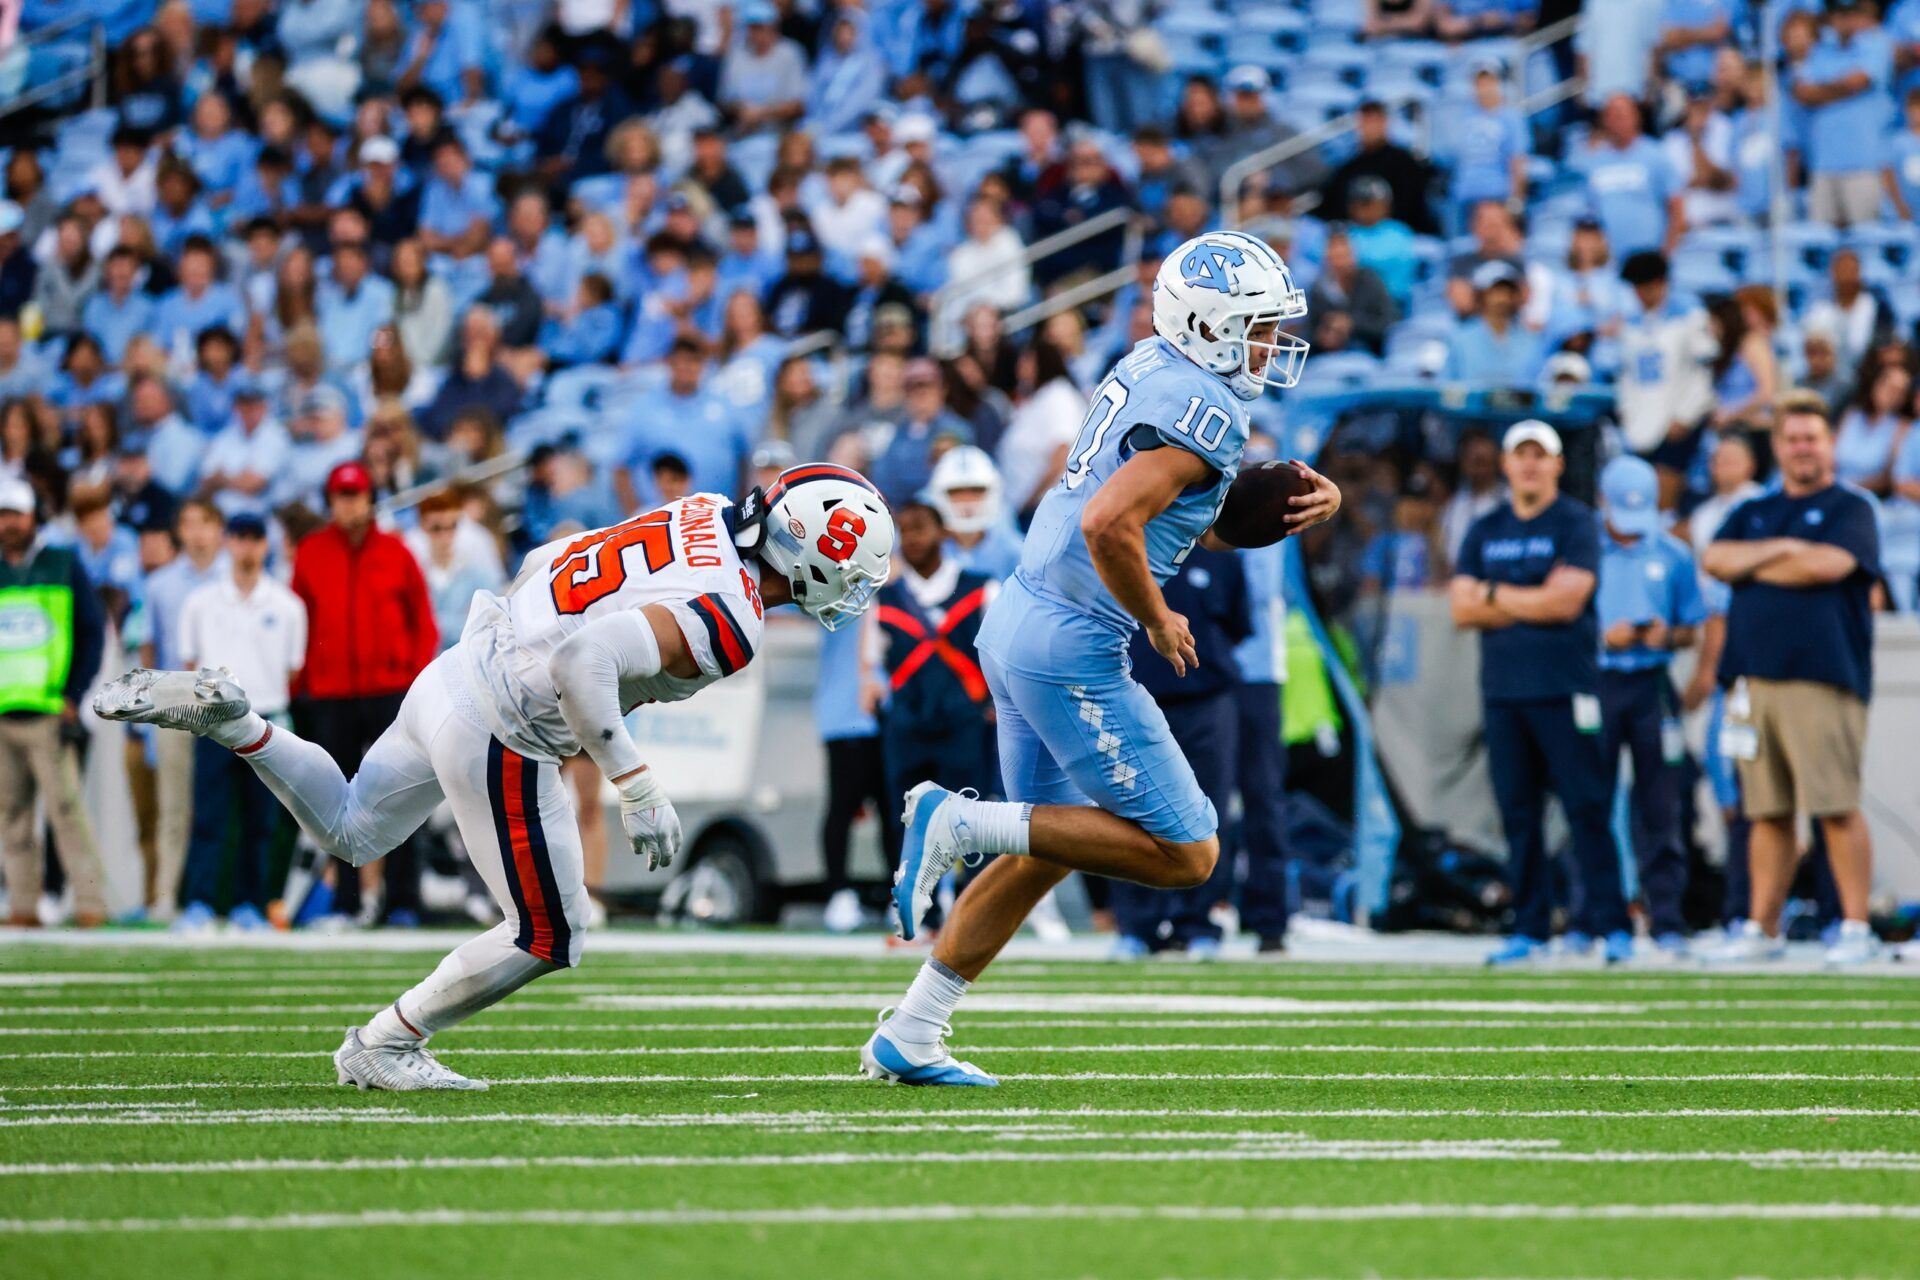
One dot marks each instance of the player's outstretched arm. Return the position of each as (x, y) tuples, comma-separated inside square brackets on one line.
[(587, 668), (1115, 524)]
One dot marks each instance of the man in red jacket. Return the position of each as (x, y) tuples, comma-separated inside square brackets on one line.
[(370, 632)]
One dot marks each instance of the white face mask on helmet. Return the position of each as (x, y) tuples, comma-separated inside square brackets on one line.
[(965, 467), (829, 534), (1213, 292)]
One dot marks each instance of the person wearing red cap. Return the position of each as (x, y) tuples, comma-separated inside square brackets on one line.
[(370, 632)]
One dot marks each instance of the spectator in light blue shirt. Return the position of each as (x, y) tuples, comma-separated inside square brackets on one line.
[(848, 77), (245, 458), (310, 29), (1690, 32), (1383, 244), (457, 205), (745, 267), (1630, 187), (1903, 163), (1489, 146), (920, 247), (321, 442), (173, 447), (119, 310), (1903, 28), (541, 250), (592, 334), (1493, 348), (201, 302), (448, 45), (178, 214), (350, 304), (220, 154), (686, 418), (532, 89), (1846, 85), (209, 395)]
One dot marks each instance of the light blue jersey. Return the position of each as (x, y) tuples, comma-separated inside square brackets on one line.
[(1073, 724), (1154, 398)]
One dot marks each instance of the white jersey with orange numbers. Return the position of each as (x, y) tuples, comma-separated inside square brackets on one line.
[(680, 556)]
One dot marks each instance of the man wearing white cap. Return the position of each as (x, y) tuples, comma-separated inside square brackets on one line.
[(1525, 580), (1650, 606), (51, 634)]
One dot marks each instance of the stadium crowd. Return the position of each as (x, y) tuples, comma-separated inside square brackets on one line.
[(321, 256)]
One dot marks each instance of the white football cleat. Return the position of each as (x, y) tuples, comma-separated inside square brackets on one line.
[(1750, 946), (401, 1068), (1855, 944), (937, 838), (902, 1062), (843, 914), (194, 701)]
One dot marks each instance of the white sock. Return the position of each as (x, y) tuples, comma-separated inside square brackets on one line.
[(474, 975), (998, 826), (1851, 929), (928, 1006), (242, 731)]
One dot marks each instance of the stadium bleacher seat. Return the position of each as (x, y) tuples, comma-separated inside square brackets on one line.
[(1810, 242)]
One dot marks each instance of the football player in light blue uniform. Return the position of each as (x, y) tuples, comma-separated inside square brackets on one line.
[(1095, 779)]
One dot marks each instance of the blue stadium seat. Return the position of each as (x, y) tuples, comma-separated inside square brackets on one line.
[(1284, 26), (1426, 59), (1702, 272), (1194, 23), (1740, 248), (1350, 64), (1895, 243), (1344, 18), (1810, 242)]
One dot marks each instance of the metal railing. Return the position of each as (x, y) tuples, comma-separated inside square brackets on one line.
[(1234, 180), (93, 71)]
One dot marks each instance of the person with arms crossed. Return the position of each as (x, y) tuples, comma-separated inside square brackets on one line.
[(1525, 581), (1145, 481), (1802, 562)]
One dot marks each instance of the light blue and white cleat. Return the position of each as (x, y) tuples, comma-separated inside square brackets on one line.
[(902, 1062), (937, 838)]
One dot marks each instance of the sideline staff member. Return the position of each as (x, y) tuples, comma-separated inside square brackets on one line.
[(51, 633), (1650, 607), (1525, 581), (1802, 562)]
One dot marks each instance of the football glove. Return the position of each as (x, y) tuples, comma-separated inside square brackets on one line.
[(652, 827)]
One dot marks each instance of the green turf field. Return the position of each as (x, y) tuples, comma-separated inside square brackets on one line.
[(170, 1114)]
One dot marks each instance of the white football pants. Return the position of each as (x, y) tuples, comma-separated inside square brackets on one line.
[(514, 814)]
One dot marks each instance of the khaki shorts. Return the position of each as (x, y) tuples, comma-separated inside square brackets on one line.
[(1812, 740), (1842, 199)]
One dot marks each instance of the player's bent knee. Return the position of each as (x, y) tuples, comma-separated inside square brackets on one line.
[(1190, 863)]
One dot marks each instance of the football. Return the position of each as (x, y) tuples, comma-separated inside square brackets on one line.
[(1254, 514)]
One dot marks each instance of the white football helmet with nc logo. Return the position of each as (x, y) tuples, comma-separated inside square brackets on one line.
[(1209, 296)]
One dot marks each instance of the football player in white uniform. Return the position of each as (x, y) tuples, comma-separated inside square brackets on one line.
[(650, 610)]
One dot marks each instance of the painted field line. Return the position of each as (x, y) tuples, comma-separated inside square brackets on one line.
[(835, 1215), (1289, 1152), (669, 1051), (1070, 1077), (1117, 1023), (1064, 1122)]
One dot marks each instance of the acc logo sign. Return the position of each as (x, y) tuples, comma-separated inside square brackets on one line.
[(1208, 267), (24, 628), (795, 528)]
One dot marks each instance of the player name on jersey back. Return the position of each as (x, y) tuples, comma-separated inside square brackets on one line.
[(679, 556)]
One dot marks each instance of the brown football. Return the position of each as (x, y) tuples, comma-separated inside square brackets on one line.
[(1254, 514)]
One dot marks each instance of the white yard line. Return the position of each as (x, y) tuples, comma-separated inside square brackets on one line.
[(1118, 1023), (848, 1078), (632, 1051), (835, 1215), (1862, 1161)]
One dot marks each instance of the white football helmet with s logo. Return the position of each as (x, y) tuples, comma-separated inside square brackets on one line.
[(829, 533), (1209, 296)]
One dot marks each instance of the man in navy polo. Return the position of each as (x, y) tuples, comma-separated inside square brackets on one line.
[(1802, 561), (1650, 606), (1525, 580)]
